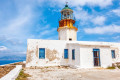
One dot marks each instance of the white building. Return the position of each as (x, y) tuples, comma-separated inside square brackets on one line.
[(67, 51)]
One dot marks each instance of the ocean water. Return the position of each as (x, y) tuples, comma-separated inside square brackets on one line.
[(3, 62)]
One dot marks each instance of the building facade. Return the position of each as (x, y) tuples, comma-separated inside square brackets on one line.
[(67, 51)]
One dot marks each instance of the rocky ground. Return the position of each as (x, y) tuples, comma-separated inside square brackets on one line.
[(66, 73), (5, 69)]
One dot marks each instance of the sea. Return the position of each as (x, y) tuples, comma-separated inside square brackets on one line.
[(3, 62)]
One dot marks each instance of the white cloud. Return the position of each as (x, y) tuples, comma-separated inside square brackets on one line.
[(116, 37), (3, 48), (101, 3), (116, 11), (99, 20), (103, 30), (47, 32), (82, 15)]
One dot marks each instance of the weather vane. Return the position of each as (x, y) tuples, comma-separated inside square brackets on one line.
[(66, 2)]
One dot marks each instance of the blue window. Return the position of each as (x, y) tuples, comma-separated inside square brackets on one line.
[(65, 53), (73, 54), (113, 53), (42, 53)]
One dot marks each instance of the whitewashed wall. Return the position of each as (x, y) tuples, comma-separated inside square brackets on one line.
[(87, 60), (66, 33), (54, 50), (116, 47), (74, 63)]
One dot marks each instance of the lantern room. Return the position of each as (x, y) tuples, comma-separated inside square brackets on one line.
[(66, 13)]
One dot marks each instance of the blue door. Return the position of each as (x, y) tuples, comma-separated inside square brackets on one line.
[(96, 56)]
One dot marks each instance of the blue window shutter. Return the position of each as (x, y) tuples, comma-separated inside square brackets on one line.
[(73, 54), (42, 53), (65, 53)]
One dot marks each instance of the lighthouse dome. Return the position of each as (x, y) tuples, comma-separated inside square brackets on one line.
[(66, 7)]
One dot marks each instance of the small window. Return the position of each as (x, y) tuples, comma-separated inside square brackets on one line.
[(65, 53), (73, 54), (113, 53), (41, 53), (70, 39)]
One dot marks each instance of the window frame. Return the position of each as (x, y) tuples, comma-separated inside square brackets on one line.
[(44, 53)]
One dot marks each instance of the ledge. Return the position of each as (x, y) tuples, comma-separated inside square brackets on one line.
[(12, 75)]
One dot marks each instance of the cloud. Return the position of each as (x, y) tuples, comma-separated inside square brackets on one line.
[(116, 11), (16, 25), (82, 15), (3, 48), (103, 30), (73, 3), (99, 20), (47, 32), (116, 37)]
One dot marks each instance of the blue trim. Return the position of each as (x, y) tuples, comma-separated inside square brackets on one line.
[(96, 49)]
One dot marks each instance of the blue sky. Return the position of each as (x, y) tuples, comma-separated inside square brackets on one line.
[(98, 20)]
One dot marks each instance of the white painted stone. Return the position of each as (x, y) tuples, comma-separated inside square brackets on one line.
[(12, 75)]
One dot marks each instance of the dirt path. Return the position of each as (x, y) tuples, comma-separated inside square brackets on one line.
[(66, 73)]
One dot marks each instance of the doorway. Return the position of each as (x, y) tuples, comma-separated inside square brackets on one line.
[(96, 57)]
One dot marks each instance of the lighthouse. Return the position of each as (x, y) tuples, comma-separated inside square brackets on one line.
[(67, 51), (67, 31)]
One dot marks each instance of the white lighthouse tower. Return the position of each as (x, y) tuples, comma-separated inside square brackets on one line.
[(66, 29)]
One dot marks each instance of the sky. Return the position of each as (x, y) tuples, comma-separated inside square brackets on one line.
[(97, 20)]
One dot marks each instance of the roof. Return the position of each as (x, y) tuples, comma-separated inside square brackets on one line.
[(66, 7)]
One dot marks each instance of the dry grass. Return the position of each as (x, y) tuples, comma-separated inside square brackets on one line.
[(119, 67), (110, 67), (5, 70), (19, 63), (22, 75)]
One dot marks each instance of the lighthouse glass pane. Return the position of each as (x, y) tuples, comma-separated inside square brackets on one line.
[(42, 53), (113, 53), (65, 53), (73, 54)]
